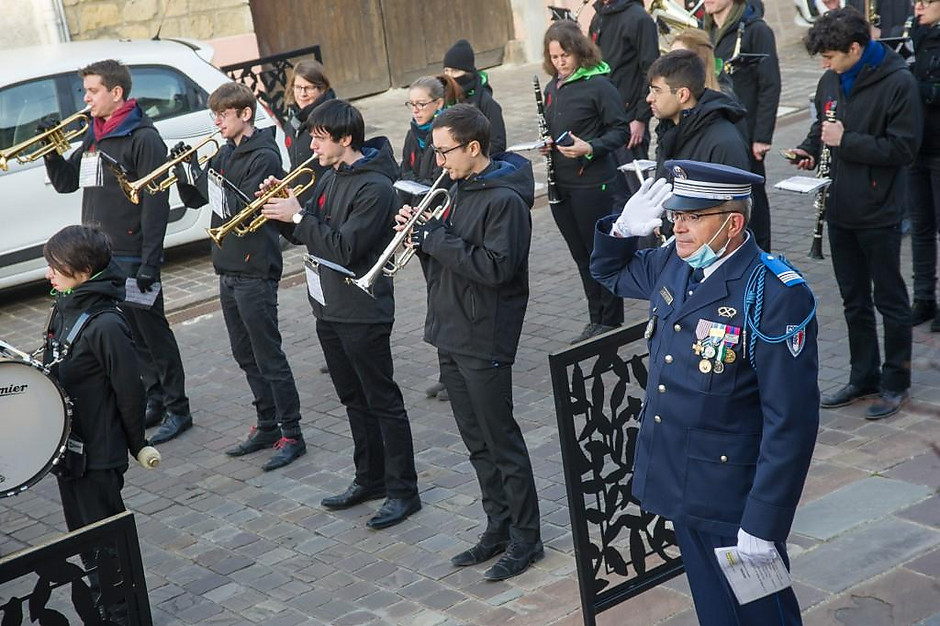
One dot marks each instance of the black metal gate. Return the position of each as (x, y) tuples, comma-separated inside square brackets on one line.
[(621, 550)]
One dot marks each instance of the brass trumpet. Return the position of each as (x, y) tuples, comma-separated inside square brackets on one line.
[(397, 253), (152, 183), (58, 139), (249, 219), (670, 18)]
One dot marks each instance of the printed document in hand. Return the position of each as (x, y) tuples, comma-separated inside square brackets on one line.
[(752, 580), (136, 297), (802, 184)]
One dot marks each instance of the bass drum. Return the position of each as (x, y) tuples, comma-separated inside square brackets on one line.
[(35, 416)]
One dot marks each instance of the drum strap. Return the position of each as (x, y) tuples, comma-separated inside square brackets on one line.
[(81, 322)]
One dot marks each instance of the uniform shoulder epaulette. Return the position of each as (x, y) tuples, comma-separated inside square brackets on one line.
[(781, 268)]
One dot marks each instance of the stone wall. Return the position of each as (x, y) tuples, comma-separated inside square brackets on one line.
[(139, 19)]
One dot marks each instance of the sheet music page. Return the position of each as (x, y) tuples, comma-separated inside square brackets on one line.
[(752, 580), (802, 184)]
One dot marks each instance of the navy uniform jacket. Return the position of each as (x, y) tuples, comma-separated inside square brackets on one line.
[(718, 451)]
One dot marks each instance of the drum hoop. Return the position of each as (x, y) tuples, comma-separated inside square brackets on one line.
[(60, 448)]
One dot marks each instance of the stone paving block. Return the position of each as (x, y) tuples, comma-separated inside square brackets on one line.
[(927, 512), (923, 469), (933, 620), (929, 564), (862, 553), (854, 504)]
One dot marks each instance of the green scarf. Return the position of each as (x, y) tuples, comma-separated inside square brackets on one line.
[(737, 12)]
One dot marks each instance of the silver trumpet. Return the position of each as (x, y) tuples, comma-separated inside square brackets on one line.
[(397, 253)]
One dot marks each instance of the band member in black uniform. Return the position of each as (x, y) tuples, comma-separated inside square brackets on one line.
[(583, 109), (308, 87), (476, 260), (629, 43), (249, 270), (123, 131), (348, 222), (876, 133), (460, 64), (924, 174), (100, 373), (735, 26)]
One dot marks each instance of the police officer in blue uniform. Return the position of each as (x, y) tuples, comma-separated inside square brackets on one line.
[(732, 409)]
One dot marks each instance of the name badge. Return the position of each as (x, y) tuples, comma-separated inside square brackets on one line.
[(89, 172), (217, 195)]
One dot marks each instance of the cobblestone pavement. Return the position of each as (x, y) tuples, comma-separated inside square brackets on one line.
[(224, 543)]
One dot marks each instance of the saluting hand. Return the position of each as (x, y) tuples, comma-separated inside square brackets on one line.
[(832, 133)]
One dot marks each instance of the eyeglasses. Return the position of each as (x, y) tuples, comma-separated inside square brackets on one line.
[(443, 153), (690, 218), (924, 3), (657, 91), (218, 116), (305, 88), (418, 105)]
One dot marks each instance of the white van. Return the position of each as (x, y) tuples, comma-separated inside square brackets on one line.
[(172, 80)]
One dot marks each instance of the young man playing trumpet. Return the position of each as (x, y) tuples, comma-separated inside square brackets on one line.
[(348, 221), (476, 260), (249, 269)]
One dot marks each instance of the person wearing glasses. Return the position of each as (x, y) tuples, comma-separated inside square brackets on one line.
[(876, 134), (121, 133), (249, 270), (307, 88), (728, 425), (476, 261), (588, 122), (348, 222)]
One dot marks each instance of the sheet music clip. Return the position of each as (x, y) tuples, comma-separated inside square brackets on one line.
[(560, 13), (745, 59)]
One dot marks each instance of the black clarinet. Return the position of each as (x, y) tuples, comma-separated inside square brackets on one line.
[(553, 197), (825, 157)]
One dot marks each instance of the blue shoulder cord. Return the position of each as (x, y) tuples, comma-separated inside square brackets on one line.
[(754, 297)]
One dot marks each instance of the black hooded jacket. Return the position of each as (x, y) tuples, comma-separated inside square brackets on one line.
[(927, 72), (479, 93), (629, 42), (135, 230), (258, 254), (100, 375), (297, 139), (348, 221), (756, 86), (477, 265), (706, 132), (883, 124)]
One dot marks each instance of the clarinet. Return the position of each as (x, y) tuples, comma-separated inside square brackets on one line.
[(553, 197), (825, 157)]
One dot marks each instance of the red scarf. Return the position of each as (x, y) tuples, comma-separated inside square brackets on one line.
[(102, 128)]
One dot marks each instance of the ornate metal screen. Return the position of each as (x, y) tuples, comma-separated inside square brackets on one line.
[(49, 584), (267, 77), (621, 550)]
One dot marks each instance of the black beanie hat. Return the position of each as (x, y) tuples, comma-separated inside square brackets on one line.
[(460, 57)]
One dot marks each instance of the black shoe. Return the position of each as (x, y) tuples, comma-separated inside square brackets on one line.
[(354, 494), (600, 329), (434, 390), (173, 426), (394, 511), (257, 440), (288, 451), (888, 403), (847, 395), (154, 414), (518, 558), (485, 549), (923, 310), (587, 333), (324, 369)]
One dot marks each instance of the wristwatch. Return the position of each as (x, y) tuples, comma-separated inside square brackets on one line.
[(296, 217)]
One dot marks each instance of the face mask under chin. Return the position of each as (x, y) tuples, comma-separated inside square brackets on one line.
[(705, 256)]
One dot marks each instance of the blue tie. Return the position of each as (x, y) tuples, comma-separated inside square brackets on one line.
[(695, 279)]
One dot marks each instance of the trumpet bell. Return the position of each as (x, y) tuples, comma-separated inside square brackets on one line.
[(57, 139)]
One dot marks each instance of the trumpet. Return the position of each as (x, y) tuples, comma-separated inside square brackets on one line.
[(58, 139), (397, 253), (249, 219), (152, 183)]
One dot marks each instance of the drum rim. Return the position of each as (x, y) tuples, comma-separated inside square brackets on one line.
[(7, 492)]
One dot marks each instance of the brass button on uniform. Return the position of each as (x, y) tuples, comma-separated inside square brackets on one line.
[(723, 459), (662, 388), (657, 419), (668, 358), (677, 327)]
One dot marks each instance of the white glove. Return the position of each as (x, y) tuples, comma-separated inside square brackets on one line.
[(642, 213), (149, 457), (754, 548)]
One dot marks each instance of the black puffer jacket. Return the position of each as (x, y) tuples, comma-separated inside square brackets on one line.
[(477, 266), (629, 42), (927, 72), (258, 254), (100, 374), (883, 124), (348, 221)]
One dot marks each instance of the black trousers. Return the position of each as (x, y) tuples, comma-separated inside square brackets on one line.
[(924, 195), (481, 398), (576, 216), (760, 206), (249, 306), (867, 263), (359, 357), (161, 367)]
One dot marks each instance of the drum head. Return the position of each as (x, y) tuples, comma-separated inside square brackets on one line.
[(34, 421)]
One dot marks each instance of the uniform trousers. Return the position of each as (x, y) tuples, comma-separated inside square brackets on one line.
[(249, 307), (760, 206), (576, 216), (359, 357), (867, 261), (161, 367), (481, 398), (924, 196), (715, 603)]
